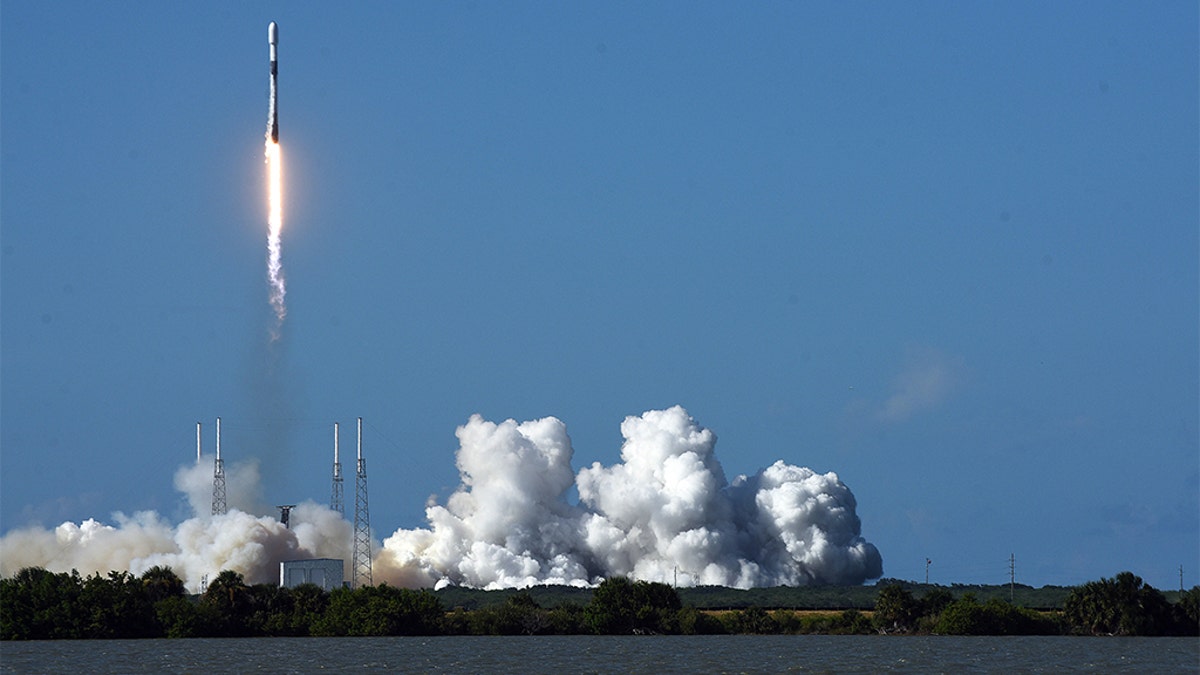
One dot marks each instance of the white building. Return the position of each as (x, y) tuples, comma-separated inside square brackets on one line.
[(327, 573)]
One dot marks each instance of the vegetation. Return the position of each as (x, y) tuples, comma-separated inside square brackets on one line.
[(37, 604), (779, 597), (1125, 605)]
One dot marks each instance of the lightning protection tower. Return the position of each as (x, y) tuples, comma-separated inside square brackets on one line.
[(362, 522), (335, 496), (218, 499)]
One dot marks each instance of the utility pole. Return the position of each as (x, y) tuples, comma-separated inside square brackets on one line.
[(927, 562), (1012, 575)]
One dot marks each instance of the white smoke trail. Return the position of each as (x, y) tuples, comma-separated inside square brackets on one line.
[(665, 513), (278, 290)]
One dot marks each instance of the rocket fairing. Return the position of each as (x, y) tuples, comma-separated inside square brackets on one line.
[(273, 109)]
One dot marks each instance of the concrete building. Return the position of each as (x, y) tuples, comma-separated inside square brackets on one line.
[(327, 573)]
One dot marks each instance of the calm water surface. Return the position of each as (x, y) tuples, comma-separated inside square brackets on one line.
[(603, 654)]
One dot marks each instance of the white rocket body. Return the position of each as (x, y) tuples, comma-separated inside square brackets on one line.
[(273, 109)]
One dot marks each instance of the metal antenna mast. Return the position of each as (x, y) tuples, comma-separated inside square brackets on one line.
[(362, 522), (218, 500), (1012, 574), (335, 496)]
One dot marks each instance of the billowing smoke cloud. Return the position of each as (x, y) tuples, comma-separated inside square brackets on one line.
[(197, 548), (665, 512)]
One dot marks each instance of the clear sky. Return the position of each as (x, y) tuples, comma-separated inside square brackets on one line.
[(946, 250)]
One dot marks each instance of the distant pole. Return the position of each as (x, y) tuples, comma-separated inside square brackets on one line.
[(927, 562), (1012, 574)]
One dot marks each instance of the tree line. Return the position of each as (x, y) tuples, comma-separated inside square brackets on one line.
[(38, 604)]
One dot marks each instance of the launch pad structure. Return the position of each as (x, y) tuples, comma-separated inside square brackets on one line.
[(218, 495), (360, 565), (336, 502)]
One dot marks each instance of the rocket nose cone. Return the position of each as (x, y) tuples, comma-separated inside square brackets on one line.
[(273, 33)]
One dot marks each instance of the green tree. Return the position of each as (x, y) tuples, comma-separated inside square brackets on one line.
[(566, 619), (1188, 611), (520, 614), (750, 621), (36, 604), (966, 616), (935, 600), (622, 606), (896, 609), (852, 622), (1123, 605), (182, 617), (695, 622), (116, 606), (161, 583), (309, 602), (232, 602), (380, 610)]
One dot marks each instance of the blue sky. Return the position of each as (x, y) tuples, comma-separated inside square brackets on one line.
[(947, 250)]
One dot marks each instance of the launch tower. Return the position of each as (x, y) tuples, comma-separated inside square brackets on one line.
[(218, 498), (361, 567), (335, 495)]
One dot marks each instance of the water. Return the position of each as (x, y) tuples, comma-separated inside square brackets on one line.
[(605, 654)]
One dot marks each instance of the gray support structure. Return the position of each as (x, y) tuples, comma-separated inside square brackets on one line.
[(218, 498), (336, 501), (361, 567)]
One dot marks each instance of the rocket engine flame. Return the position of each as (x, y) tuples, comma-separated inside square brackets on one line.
[(274, 192), (278, 288)]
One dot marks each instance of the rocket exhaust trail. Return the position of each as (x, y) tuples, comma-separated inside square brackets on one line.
[(278, 290)]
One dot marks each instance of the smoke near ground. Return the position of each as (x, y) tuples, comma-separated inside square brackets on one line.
[(196, 549), (665, 512)]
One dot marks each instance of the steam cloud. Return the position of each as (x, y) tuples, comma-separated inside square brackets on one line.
[(664, 513), (198, 547)]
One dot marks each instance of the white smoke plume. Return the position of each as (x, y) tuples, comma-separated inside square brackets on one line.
[(196, 549), (665, 513)]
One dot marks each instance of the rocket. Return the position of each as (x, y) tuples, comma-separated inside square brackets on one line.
[(273, 109)]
